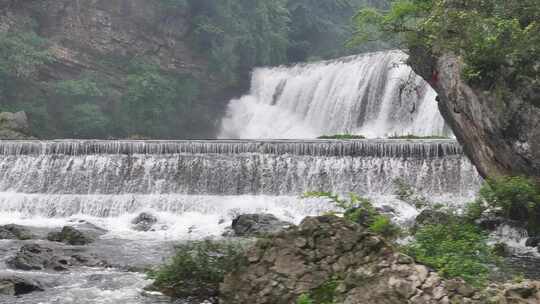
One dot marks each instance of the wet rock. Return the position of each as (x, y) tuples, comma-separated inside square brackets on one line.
[(303, 259), (144, 222), (71, 236), (15, 286), (41, 257), (89, 229), (247, 225), (532, 242), (15, 232), (491, 223), (36, 257)]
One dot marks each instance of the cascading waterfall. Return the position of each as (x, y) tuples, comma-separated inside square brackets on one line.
[(375, 95), (117, 178)]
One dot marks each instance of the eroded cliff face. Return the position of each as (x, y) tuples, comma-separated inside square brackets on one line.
[(83, 33), (500, 132), (102, 36)]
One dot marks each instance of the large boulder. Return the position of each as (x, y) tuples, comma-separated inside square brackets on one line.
[(41, 257), (15, 286), (71, 236), (144, 222), (532, 242), (15, 232), (36, 257), (248, 225), (342, 258), (14, 126)]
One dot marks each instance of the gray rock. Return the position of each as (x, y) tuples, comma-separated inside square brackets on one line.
[(532, 242), (37, 257), (15, 286), (247, 225), (71, 236), (41, 257), (14, 126), (15, 232), (364, 267), (144, 222)]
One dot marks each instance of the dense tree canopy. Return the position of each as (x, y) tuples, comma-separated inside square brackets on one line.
[(499, 40)]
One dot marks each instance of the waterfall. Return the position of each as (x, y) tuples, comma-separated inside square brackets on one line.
[(375, 95), (232, 167)]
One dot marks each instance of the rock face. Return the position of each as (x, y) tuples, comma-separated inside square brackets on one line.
[(501, 135), (14, 126), (100, 37), (15, 286), (248, 225), (329, 251), (40, 257), (15, 232)]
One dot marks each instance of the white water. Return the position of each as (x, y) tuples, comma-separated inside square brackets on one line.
[(375, 95), (197, 188)]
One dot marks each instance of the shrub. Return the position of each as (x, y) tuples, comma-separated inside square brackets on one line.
[(360, 210), (324, 294), (197, 269), (383, 226), (304, 299), (342, 136), (457, 249), (516, 198)]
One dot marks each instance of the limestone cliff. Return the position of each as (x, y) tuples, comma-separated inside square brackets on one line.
[(336, 261), (500, 132), (102, 36)]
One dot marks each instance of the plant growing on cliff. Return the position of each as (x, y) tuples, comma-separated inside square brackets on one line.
[(22, 54), (360, 210), (454, 249), (197, 269), (497, 39)]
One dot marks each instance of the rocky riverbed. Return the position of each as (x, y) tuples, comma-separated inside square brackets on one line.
[(96, 269)]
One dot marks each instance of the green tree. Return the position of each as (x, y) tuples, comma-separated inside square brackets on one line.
[(156, 102), (498, 40)]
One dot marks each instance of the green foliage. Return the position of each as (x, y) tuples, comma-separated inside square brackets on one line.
[(304, 299), (342, 136), (497, 39), (197, 269), (382, 225), (324, 294), (360, 210), (457, 249), (516, 198), (239, 34), (474, 210), (21, 54), (155, 101)]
